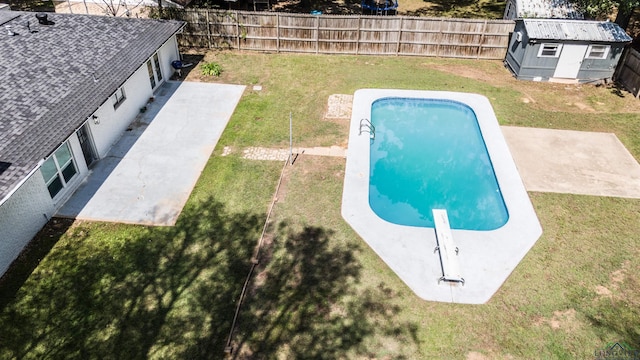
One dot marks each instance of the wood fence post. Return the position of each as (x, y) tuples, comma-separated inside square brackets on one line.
[(208, 29), (358, 38), (484, 30), (317, 32), (237, 30), (439, 37), (399, 36)]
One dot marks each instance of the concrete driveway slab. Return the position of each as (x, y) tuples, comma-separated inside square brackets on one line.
[(574, 162), (148, 175)]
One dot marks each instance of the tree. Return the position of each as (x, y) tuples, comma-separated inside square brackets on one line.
[(601, 9), (625, 10), (596, 9)]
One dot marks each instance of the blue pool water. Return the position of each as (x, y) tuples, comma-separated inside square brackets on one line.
[(429, 154)]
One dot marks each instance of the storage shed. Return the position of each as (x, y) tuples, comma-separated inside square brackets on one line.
[(565, 50)]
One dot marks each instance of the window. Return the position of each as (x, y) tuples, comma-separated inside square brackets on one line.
[(154, 70), (58, 169), (549, 50), (152, 77), (156, 64), (118, 98), (598, 51)]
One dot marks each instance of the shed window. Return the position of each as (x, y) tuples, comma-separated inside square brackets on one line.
[(118, 98), (549, 50), (598, 51)]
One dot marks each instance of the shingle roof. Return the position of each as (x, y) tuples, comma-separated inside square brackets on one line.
[(55, 76), (579, 30)]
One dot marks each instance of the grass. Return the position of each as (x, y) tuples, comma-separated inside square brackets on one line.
[(114, 291)]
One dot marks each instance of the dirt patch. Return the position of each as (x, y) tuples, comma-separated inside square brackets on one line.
[(616, 278), (101, 8), (565, 320), (603, 291), (585, 107), (474, 355)]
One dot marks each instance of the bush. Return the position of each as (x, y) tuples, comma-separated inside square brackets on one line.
[(211, 69)]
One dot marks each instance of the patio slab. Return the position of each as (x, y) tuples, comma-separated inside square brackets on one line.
[(148, 175), (574, 162)]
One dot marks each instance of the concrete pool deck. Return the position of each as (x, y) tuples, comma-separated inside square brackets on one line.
[(486, 258), (149, 173)]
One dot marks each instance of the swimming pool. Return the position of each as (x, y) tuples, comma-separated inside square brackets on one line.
[(430, 154), (487, 256)]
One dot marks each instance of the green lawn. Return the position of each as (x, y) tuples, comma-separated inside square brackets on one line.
[(96, 290)]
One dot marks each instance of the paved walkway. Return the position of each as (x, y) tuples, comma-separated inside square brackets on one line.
[(260, 153), (149, 174)]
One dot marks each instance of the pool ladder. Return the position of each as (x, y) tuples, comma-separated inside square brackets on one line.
[(367, 126)]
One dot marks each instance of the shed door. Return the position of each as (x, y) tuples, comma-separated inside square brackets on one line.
[(570, 60)]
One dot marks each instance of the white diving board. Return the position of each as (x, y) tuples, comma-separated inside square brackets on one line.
[(447, 249)]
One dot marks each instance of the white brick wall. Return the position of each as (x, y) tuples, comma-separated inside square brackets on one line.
[(21, 217), (137, 91)]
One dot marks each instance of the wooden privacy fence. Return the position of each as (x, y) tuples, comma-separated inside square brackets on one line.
[(345, 34), (629, 71)]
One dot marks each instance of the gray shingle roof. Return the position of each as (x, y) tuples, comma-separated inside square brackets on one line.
[(55, 76), (579, 30)]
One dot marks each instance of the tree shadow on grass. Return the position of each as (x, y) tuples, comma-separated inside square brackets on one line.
[(152, 292), (618, 314), (131, 292), (307, 303), (29, 258)]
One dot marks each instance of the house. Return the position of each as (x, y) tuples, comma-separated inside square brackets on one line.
[(565, 50), (541, 9), (70, 86)]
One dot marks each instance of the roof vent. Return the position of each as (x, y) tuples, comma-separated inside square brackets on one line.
[(42, 19)]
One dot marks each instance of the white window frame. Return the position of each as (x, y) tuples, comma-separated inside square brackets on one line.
[(60, 169), (604, 55), (154, 70), (544, 46), (118, 97)]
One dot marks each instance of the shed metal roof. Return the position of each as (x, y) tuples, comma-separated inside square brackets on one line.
[(578, 30), (57, 75)]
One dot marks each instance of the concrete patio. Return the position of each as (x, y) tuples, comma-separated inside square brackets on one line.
[(150, 172), (573, 162)]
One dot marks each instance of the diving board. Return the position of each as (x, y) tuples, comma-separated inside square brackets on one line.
[(446, 248)]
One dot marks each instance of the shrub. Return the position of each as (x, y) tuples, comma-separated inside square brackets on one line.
[(211, 69)]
